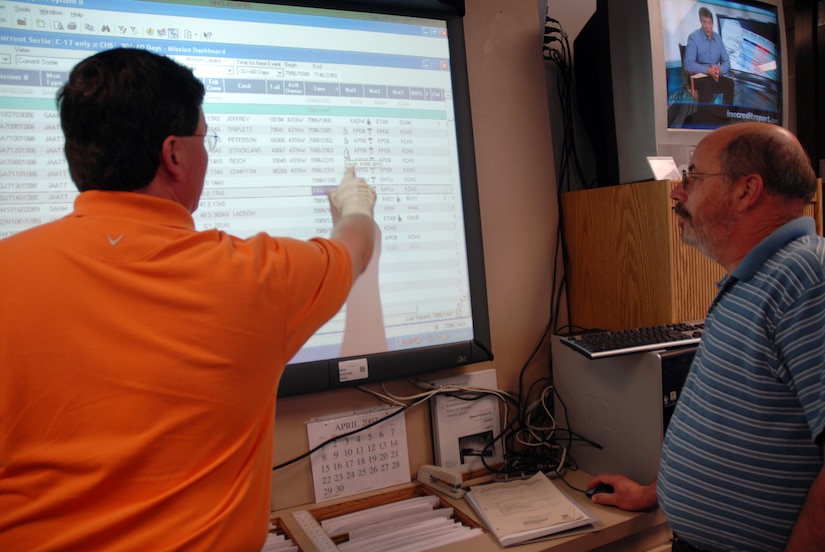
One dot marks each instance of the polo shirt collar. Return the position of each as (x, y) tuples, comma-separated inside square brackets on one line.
[(129, 205), (764, 250)]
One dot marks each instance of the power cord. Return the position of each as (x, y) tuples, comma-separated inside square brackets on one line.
[(405, 403), (528, 438)]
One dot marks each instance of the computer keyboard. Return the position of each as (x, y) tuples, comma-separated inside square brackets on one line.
[(604, 343)]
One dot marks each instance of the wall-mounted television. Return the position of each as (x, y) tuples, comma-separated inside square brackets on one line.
[(635, 92), (296, 91)]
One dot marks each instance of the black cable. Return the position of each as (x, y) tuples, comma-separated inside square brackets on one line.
[(463, 395), (347, 434), (556, 49)]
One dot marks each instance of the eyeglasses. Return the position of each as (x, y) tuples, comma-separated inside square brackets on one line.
[(689, 178), (210, 140)]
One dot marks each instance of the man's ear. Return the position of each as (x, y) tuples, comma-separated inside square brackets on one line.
[(748, 190), (169, 157)]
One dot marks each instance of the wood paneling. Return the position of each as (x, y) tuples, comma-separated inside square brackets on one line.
[(627, 264)]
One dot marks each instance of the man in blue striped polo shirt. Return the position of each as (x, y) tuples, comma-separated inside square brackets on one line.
[(742, 461)]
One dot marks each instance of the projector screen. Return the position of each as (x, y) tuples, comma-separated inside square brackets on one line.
[(295, 94)]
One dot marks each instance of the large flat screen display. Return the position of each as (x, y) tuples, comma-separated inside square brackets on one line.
[(750, 34), (295, 94)]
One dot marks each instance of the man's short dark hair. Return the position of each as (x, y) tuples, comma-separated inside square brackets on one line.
[(116, 110), (704, 12)]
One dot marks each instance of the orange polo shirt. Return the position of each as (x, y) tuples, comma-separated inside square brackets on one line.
[(139, 365)]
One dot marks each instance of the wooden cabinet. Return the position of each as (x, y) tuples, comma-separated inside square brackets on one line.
[(627, 264)]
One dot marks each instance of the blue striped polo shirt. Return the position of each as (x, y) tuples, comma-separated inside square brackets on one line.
[(742, 448)]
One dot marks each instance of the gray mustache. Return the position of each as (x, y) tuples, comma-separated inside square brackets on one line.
[(679, 210)]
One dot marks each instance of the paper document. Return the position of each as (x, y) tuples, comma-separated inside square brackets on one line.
[(465, 431), (525, 510), (664, 168)]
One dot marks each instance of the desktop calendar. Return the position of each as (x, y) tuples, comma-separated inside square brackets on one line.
[(373, 458)]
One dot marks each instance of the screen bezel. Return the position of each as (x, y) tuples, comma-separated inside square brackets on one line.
[(314, 376)]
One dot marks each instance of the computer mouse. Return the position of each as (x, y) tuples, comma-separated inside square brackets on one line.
[(600, 488)]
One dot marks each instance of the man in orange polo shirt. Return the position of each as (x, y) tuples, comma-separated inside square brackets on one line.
[(139, 358)]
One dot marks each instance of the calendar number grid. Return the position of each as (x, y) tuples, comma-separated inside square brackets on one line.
[(371, 459)]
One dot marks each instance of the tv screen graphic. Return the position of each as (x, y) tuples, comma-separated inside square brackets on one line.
[(750, 87), (295, 94)]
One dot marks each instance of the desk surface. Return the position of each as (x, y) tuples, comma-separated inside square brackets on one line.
[(619, 530)]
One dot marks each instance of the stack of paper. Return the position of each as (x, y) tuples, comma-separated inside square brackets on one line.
[(411, 525), (526, 510)]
